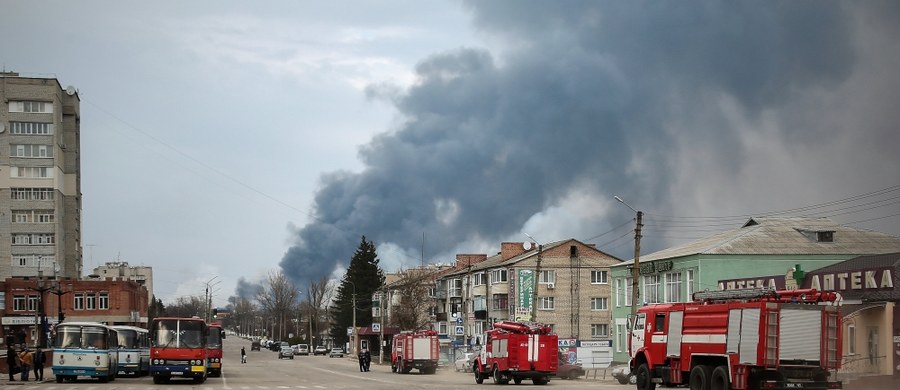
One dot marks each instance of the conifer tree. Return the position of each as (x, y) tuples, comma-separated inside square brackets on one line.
[(362, 279)]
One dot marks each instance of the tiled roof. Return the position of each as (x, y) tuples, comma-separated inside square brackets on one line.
[(784, 236)]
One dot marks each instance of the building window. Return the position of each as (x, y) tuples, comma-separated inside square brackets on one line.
[(432, 292), (30, 128), (32, 303), (629, 289), (500, 301), (599, 277), (31, 193), (104, 301), (79, 301), (2, 299), (33, 238), (31, 107), (599, 330), (547, 276), (31, 172), (498, 276), (91, 300), (479, 279), (456, 288), (691, 287), (651, 289), (19, 303), (620, 337), (851, 339), (30, 151), (599, 303), (479, 302), (546, 303), (442, 328), (32, 216), (673, 287)]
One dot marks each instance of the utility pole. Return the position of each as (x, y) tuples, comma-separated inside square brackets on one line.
[(636, 267), (40, 322)]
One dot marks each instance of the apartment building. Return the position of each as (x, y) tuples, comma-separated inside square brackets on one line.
[(122, 270), (40, 178)]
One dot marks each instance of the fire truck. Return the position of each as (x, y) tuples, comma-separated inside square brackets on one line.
[(517, 351), (419, 350), (756, 338)]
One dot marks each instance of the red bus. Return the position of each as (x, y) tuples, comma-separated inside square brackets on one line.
[(214, 349), (178, 349)]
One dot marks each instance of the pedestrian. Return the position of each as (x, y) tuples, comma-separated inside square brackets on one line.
[(11, 358), (40, 359), (367, 357), (243, 356), (361, 357), (27, 359)]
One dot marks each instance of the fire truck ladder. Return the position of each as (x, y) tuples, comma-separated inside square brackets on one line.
[(725, 295)]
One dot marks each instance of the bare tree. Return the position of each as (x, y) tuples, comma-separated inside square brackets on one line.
[(318, 294), (187, 306), (412, 310), (279, 299)]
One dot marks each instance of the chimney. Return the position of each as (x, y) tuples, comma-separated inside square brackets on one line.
[(464, 260), (509, 250)]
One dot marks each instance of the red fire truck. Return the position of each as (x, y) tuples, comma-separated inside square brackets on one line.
[(739, 339), (517, 351), (178, 349), (419, 350)]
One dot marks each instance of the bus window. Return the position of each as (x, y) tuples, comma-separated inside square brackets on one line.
[(68, 337)]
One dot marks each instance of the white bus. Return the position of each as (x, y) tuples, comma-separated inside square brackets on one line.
[(85, 349), (134, 350)]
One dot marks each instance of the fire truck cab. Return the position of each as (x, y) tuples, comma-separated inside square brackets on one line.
[(517, 351), (739, 339)]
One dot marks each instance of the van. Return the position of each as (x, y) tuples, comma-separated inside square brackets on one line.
[(302, 349)]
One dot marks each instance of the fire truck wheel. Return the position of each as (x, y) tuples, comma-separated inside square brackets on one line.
[(699, 378), (719, 379), (643, 378), (478, 378), (540, 380), (517, 380), (497, 376)]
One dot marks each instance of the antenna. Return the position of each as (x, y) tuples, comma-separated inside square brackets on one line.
[(423, 249)]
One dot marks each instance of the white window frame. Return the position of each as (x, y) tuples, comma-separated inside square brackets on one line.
[(20, 303), (499, 276), (691, 286), (673, 286), (497, 300), (31, 151), (31, 106), (629, 290), (90, 301), (103, 301), (599, 330), (547, 276), (32, 193), (32, 303), (599, 277), (599, 304), (454, 288), (31, 172), (651, 288), (479, 279), (546, 303), (31, 128), (78, 303)]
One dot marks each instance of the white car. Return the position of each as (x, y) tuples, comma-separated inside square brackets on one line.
[(339, 352), (464, 363), (286, 352)]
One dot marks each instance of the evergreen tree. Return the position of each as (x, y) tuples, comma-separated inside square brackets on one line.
[(362, 279)]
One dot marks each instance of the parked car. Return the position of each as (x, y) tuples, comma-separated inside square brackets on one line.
[(254, 346), (320, 350), (569, 371), (336, 352), (301, 349), (623, 375), (464, 363), (286, 352)]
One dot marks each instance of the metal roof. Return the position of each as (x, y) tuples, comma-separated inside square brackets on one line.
[(783, 236)]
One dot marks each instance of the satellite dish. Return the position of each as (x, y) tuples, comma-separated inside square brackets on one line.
[(526, 246), (70, 90)]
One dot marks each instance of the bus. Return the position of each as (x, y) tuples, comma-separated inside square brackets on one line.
[(134, 350), (214, 349), (178, 349), (85, 349)]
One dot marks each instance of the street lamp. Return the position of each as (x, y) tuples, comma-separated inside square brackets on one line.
[(635, 268), (208, 297), (353, 336), (537, 274)]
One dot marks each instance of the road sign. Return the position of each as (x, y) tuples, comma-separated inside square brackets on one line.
[(349, 331), (460, 331), (458, 320), (376, 327)]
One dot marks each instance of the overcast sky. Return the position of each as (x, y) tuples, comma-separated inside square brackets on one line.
[(224, 139)]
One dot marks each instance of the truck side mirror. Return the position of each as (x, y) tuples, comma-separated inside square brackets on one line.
[(630, 322), (222, 332)]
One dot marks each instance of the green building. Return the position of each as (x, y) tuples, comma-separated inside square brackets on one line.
[(738, 258)]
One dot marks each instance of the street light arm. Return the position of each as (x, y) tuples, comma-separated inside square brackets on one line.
[(626, 204)]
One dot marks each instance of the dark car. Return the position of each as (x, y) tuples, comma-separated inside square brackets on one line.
[(254, 346), (569, 371)]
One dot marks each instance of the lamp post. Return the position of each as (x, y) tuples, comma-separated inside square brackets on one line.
[(537, 274), (207, 298), (635, 268), (41, 321), (353, 336)]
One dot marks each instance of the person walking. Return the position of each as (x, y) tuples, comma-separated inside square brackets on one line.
[(40, 359), (361, 358), (243, 356), (11, 358), (27, 359), (367, 359)]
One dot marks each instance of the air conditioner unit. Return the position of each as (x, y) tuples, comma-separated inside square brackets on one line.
[(551, 286)]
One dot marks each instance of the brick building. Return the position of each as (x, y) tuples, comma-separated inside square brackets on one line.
[(113, 301)]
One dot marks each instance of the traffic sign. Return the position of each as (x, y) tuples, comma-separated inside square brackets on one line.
[(376, 327), (460, 331), (458, 320)]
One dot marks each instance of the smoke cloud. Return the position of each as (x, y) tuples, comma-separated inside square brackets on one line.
[(697, 107)]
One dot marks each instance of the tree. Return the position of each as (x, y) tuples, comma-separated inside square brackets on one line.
[(412, 312), (279, 299), (318, 294), (156, 309), (362, 279), (186, 306)]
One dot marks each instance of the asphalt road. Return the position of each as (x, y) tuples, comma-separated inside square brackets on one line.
[(264, 371)]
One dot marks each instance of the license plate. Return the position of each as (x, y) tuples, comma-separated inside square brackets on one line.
[(176, 372), (198, 368), (80, 371)]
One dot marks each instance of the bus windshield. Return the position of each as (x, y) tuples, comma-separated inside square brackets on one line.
[(214, 341), (128, 338), (81, 337), (179, 334)]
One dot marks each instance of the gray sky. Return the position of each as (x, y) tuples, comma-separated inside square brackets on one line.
[(225, 139)]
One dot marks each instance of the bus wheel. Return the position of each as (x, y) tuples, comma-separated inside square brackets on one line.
[(59, 379), (103, 379)]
